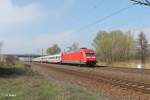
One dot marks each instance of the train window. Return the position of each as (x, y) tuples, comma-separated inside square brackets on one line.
[(90, 53)]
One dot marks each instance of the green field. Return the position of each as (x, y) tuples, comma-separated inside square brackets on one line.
[(20, 83)]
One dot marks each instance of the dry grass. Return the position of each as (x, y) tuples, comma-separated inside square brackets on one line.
[(20, 83), (126, 64), (7, 61)]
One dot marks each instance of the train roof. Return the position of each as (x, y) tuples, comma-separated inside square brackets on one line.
[(48, 56), (52, 55), (81, 50)]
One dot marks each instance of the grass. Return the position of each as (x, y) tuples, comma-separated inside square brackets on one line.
[(126, 64), (20, 83)]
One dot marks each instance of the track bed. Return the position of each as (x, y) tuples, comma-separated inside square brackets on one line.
[(117, 79)]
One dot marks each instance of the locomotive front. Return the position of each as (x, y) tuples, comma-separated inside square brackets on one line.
[(89, 56)]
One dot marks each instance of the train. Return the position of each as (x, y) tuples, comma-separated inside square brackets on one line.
[(83, 56)]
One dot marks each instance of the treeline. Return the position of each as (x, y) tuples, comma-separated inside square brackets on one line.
[(55, 49), (114, 46), (120, 46)]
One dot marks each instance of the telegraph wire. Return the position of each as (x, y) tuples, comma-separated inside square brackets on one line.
[(96, 5), (104, 18)]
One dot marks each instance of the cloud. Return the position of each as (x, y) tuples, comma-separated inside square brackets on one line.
[(63, 39), (19, 44), (13, 17), (55, 37), (11, 14)]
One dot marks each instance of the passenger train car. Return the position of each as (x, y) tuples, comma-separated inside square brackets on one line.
[(48, 59), (82, 57)]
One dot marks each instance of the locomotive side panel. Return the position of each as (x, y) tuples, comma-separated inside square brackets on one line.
[(72, 58)]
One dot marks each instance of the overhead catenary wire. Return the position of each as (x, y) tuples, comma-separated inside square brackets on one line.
[(104, 18), (94, 7), (98, 4)]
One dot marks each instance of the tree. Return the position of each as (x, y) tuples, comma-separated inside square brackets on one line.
[(1, 44), (74, 47), (142, 47), (55, 49), (142, 2), (113, 46), (1, 60)]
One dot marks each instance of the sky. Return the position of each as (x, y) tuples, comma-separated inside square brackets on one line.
[(27, 26)]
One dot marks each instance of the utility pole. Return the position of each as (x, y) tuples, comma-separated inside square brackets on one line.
[(42, 55), (29, 59), (1, 44), (1, 47)]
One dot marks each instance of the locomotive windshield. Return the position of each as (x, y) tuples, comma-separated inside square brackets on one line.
[(90, 53)]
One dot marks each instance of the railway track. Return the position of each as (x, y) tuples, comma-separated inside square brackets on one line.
[(128, 70), (126, 84)]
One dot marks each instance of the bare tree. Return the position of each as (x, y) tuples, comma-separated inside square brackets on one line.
[(1, 44), (141, 2), (113, 46), (142, 47), (73, 47)]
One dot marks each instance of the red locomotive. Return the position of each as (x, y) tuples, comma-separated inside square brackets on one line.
[(83, 56)]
